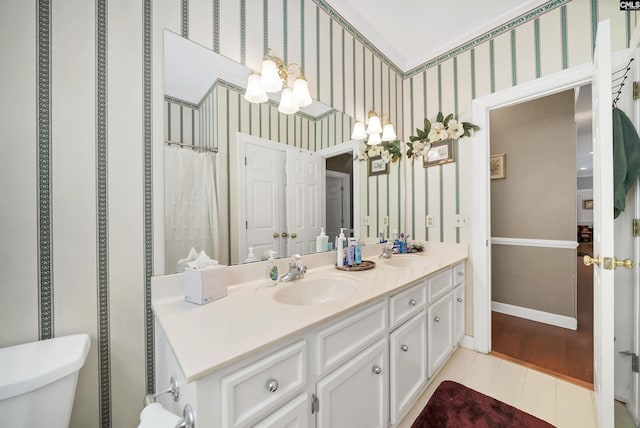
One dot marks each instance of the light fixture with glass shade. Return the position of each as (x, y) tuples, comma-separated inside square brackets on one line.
[(374, 132), (274, 76)]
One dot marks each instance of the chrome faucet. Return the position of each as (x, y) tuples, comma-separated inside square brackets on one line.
[(296, 269), (387, 251)]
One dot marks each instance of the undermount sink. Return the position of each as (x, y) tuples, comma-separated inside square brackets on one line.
[(313, 291), (405, 261)]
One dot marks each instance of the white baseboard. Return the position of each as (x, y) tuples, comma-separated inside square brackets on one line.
[(535, 315), (467, 342)]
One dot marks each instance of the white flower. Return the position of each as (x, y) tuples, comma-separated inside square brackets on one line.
[(386, 156), (417, 147), (363, 153), (438, 135), (455, 129), (436, 126), (425, 149), (374, 151)]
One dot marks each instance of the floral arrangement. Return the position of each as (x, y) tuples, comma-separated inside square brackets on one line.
[(444, 128), (389, 151)]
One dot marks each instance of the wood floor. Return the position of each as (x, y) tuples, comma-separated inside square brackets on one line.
[(559, 351)]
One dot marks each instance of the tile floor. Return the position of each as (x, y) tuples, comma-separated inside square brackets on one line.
[(558, 402)]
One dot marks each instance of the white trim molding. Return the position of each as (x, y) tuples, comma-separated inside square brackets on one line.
[(536, 315), (467, 342), (543, 243)]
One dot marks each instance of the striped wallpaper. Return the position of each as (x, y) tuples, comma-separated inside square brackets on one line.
[(81, 158)]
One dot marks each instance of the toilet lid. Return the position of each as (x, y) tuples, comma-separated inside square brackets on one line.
[(24, 368)]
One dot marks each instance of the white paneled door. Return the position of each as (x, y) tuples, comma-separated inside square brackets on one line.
[(603, 243), (264, 198), (305, 204)]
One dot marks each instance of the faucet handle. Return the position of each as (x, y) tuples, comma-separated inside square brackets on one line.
[(296, 260)]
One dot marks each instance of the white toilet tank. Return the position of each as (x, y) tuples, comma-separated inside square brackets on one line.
[(38, 381)]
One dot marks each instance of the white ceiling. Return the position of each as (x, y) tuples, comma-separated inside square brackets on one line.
[(411, 32)]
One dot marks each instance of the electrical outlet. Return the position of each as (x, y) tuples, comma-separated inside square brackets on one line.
[(386, 220), (429, 221), (462, 220), (366, 220)]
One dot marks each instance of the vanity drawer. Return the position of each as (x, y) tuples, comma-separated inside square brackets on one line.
[(344, 338), (263, 386), (403, 305), (458, 274), (439, 284)]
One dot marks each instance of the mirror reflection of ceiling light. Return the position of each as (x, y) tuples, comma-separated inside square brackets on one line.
[(275, 75)]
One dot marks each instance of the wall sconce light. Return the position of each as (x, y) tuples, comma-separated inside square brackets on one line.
[(275, 75), (374, 133)]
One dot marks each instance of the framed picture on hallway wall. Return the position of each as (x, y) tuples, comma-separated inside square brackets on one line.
[(440, 153), (498, 166)]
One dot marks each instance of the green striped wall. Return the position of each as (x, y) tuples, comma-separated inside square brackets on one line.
[(548, 42), (85, 164)]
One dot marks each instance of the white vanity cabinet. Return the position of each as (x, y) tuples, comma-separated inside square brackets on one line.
[(408, 355), (363, 368), (356, 394)]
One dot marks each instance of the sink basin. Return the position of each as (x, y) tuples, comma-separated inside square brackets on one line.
[(313, 291), (404, 261)]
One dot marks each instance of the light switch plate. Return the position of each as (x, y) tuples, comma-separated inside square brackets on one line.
[(386, 220), (429, 221), (462, 220)]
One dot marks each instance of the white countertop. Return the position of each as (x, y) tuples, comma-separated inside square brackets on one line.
[(209, 337)]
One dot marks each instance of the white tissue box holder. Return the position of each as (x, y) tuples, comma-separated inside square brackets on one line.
[(202, 286)]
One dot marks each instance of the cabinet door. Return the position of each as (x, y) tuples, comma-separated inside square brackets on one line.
[(293, 415), (355, 395), (440, 332), (458, 314), (408, 357)]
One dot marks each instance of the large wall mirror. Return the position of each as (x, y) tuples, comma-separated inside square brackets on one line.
[(239, 175)]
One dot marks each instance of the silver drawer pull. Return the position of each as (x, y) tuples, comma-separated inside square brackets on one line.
[(460, 273), (437, 319), (459, 299), (405, 348), (412, 302), (376, 369), (272, 385)]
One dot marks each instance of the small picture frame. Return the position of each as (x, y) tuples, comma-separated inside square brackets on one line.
[(377, 166), (498, 166), (587, 204), (440, 153)]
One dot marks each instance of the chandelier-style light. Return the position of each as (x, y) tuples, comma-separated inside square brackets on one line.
[(374, 132), (275, 75)]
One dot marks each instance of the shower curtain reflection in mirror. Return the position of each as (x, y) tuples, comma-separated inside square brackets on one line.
[(191, 205)]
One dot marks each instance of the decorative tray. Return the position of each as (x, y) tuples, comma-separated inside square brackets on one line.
[(365, 265)]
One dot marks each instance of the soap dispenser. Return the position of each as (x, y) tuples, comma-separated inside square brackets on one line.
[(341, 243), (272, 270), (322, 241), (251, 257)]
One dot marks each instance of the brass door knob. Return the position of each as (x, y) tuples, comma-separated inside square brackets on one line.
[(276, 235), (627, 263), (588, 261), (294, 236), (284, 234)]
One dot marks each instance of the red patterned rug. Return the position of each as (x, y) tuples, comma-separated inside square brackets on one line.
[(453, 405)]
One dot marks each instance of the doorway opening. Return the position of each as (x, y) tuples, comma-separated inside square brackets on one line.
[(541, 317), (339, 188)]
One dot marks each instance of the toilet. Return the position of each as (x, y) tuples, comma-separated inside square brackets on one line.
[(38, 381)]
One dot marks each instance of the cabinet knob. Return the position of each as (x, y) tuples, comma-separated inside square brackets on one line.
[(460, 273), (284, 234), (405, 348), (276, 235), (437, 319), (412, 302), (272, 385), (376, 369), (459, 299), (294, 236)]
